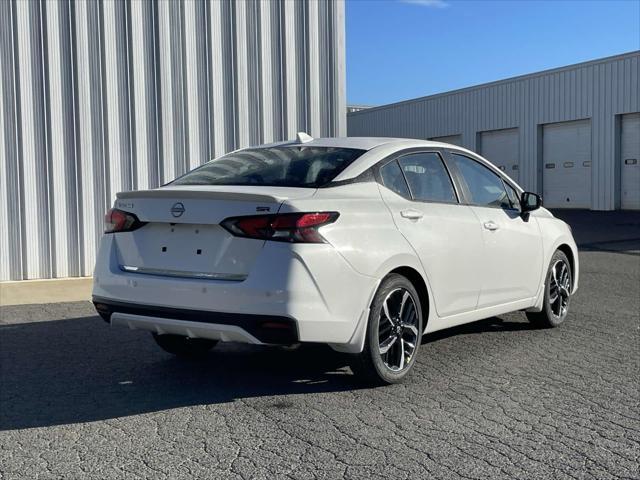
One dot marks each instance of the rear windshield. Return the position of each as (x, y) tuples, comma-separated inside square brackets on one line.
[(286, 166)]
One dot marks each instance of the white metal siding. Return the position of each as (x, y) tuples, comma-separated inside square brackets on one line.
[(502, 148), (630, 161), (100, 96), (599, 90), (566, 156)]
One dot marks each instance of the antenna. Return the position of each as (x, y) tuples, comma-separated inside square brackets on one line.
[(303, 137)]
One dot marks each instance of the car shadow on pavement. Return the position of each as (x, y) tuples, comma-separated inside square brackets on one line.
[(493, 324), (81, 370)]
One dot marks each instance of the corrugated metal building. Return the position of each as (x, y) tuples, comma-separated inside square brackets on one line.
[(571, 134), (99, 96)]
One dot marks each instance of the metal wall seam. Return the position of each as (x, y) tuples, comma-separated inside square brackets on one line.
[(10, 206), (89, 142), (217, 70), (5, 251), (61, 138), (290, 73), (253, 65), (339, 81), (300, 22), (267, 46), (118, 158), (198, 130), (142, 77), (167, 136), (242, 77), (313, 69)]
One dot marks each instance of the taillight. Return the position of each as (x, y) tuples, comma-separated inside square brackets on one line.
[(287, 227), (118, 221)]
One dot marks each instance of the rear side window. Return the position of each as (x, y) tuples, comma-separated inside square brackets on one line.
[(486, 188), (427, 177), (286, 166), (394, 180)]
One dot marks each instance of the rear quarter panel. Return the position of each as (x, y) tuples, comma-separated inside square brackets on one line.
[(364, 234)]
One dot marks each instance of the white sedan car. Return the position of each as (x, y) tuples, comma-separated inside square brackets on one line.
[(364, 244)]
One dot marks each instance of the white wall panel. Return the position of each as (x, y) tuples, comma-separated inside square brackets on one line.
[(196, 84), (33, 141), (599, 90), (90, 132), (502, 148), (630, 161), (100, 96), (566, 158)]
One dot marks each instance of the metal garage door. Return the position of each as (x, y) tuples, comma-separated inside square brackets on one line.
[(566, 157), (501, 148), (452, 139), (630, 158)]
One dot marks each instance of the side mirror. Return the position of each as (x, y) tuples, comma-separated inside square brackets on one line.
[(530, 201)]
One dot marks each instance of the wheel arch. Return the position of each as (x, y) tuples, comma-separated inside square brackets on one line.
[(571, 256), (408, 266), (420, 285)]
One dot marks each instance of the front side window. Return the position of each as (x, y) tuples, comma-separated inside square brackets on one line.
[(427, 177), (285, 166), (394, 180), (486, 188)]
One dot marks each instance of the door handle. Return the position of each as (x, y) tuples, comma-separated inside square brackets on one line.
[(491, 225), (411, 214)]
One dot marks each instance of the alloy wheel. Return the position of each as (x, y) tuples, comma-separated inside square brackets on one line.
[(559, 288), (398, 329)]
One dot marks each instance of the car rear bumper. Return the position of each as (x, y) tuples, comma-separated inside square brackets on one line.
[(310, 285), (258, 329)]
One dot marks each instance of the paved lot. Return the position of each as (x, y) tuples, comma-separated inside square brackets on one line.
[(495, 399)]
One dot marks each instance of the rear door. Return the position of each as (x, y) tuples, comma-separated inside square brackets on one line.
[(512, 260), (445, 235)]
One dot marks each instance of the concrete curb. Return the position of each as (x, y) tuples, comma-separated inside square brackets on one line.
[(56, 290)]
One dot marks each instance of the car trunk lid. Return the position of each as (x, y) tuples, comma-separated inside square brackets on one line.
[(182, 236)]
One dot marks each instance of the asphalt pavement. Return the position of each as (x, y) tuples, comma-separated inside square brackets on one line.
[(494, 399)]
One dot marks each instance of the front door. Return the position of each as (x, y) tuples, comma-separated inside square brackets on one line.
[(445, 235), (513, 253)]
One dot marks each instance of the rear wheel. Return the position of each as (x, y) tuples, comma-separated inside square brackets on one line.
[(394, 332), (557, 293), (184, 346)]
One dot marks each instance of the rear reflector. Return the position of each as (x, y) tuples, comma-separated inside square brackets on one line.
[(287, 227)]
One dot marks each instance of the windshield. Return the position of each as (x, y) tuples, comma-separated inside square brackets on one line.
[(286, 166)]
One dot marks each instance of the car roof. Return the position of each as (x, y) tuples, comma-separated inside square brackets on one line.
[(360, 143), (367, 143), (376, 149)]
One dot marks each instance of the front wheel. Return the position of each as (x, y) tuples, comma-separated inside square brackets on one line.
[(394, 333), (184, 346), (557, 293)]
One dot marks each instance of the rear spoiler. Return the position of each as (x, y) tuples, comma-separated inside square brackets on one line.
[(202, 194)]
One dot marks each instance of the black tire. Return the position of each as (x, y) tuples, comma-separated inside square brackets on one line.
[(374, 367), (184, 347), (554, 312)]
